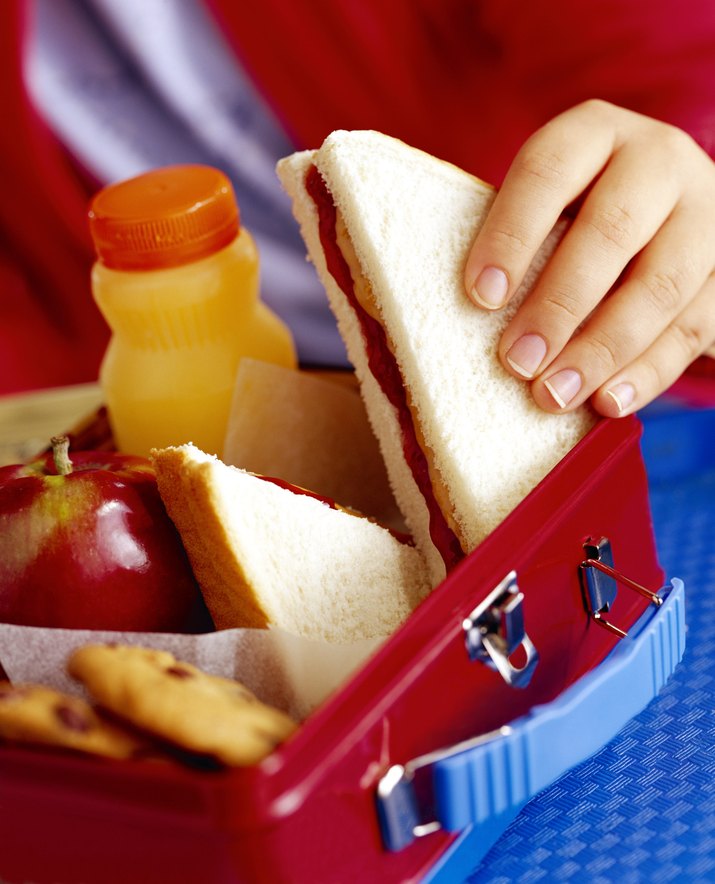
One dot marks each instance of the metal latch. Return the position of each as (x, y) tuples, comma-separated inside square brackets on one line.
[(405, 794), (600, 580), (495, 630)]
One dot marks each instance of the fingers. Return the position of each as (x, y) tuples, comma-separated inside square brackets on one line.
[(626, 301), (546, 176), (667, 275), (662, 363), (617, 220)]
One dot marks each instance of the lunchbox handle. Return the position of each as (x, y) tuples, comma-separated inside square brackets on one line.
[(493, 775)]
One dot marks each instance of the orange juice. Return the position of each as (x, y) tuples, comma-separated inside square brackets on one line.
[(177, 278)]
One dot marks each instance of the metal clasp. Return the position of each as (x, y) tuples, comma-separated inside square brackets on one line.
[(495, 629), (599, 581), (405, 793), (492, 633)]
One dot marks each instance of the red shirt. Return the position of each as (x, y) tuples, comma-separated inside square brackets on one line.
[(466, 81)]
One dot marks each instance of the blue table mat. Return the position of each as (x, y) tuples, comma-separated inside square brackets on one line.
[(643, 808)]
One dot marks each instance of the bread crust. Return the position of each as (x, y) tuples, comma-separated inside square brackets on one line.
[(381, 414), (190, 503), (266, 556)]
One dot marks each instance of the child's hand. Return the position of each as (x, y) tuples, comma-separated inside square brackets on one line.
[(648, 209)]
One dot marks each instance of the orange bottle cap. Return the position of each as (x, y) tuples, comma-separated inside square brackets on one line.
[(164, 218)]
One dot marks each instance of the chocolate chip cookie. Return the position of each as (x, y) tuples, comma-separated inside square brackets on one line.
[(39, 715), (177, 702)]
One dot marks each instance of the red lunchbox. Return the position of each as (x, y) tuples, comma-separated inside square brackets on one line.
[(519, 623)]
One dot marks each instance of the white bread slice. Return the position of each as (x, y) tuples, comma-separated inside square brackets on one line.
[(411, 219), (312, 431), (266, 556)]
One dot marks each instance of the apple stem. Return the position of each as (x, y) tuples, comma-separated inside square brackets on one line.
[(60, 455)]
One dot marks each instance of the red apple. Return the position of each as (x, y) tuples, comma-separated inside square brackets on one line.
[(85, 543)]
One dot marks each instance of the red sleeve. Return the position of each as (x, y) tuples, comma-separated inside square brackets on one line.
[(51, 332), (653, 56), (469, 80)]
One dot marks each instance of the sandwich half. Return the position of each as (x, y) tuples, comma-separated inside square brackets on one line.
[(267, 553), (388, 229)]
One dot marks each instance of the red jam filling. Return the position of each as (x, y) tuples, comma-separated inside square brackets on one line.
[(383, 366)]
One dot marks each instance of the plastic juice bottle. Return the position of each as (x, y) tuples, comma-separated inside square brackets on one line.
[(177, 279)]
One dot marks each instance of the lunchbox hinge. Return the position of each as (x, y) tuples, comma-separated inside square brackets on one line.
[(599, 580), (495, 630)]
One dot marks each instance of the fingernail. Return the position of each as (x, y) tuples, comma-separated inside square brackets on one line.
[(623, 395), (563, 386), (490, 288), (526, 355)]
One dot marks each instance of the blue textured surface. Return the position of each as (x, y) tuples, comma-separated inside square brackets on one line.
[(643, 808)]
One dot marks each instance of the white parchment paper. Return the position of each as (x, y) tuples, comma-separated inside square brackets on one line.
[(293, 673)]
